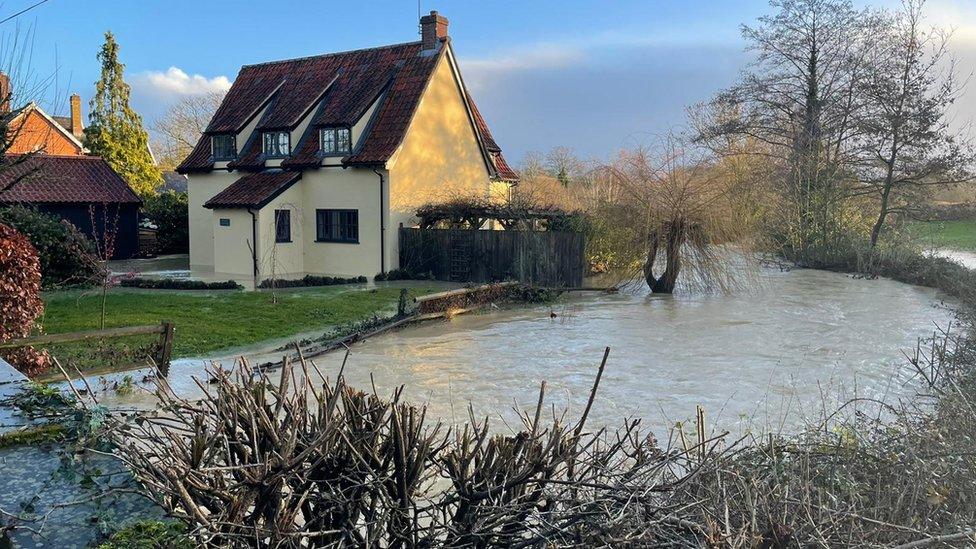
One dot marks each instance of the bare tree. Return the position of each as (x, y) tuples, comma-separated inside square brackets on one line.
[(798, 101), (179, 129), (909, 147)]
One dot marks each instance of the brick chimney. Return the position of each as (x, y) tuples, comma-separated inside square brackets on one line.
[(433, 28), (76, 127), (5, 93)]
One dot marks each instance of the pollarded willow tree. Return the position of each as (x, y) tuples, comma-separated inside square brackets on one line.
[(678, 211), (908, 146), (115, 131)]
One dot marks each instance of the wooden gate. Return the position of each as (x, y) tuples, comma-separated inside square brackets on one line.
[(543, 258)]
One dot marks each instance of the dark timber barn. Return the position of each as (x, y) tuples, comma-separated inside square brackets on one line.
[(83, 190)]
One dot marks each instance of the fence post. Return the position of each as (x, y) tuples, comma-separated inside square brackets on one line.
[(165, 347)]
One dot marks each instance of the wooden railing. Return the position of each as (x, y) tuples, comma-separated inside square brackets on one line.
[(165, 330)]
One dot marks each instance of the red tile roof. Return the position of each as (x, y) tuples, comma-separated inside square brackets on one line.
[(254, 190), (44, 178), (342, 86)]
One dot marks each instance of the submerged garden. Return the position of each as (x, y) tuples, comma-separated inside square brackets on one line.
[(779, 244)]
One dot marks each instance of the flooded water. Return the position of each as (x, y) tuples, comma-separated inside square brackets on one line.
[(763, 360)]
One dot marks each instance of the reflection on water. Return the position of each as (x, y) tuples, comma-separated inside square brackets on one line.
[(749, 359)]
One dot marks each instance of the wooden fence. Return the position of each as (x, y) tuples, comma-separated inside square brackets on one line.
[(544, 258), (164, 351)]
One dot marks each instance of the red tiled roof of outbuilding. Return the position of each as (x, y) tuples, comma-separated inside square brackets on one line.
[(48, 179)]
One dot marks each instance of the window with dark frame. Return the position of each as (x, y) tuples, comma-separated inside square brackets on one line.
[(224, 222), (224, 147), (337, 226), (277, 144), (335, 141), (282, 225)]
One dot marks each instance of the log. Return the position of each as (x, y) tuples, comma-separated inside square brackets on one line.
[(461, 291)]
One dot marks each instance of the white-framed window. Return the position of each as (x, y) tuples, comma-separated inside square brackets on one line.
[(335, 141), (224, 147), (277, 144)]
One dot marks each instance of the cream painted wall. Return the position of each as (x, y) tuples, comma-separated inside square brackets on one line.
[(439, 158), (231, 245), (284, 259), (201, 188), (350, 188)]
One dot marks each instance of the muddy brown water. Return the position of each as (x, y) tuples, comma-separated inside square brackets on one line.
[(766, 360)]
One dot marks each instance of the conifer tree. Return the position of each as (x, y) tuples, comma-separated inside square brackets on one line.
[(115, 131)]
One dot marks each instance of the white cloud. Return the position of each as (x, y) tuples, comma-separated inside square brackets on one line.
[(540, 56), (175, 82)]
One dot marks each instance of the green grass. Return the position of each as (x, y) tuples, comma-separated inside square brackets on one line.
[(214, 321), (959, 235)]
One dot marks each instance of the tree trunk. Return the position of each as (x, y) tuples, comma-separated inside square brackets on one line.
[(649, 277), (675, 236)]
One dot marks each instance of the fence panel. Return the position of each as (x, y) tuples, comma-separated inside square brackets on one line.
[(544, 258)]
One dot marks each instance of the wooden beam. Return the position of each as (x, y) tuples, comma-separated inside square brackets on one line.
[(81, 336)]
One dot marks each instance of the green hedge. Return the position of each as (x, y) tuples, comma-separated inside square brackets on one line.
[(402, 274), (178, 284), (65, 253), (311, 280)]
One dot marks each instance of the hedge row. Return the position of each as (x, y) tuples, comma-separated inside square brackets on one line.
[(402, 274), (178, 284), (312, 280)]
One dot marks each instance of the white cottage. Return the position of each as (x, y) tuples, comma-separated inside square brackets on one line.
[(309, 165)]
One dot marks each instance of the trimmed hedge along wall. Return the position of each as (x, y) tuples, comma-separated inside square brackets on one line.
[(311, 280), (178, 284)]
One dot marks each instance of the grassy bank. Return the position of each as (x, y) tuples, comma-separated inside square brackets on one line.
[(213, 321), (959, 235)]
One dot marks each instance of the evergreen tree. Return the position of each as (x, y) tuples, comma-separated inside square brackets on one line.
[(115, 131)]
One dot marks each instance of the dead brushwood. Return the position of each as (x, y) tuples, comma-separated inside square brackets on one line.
[(307, 461)]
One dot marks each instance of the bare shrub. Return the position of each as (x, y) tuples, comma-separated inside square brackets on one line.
[(306, 462)]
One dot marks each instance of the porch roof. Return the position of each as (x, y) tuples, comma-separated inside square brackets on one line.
[(254, 190)]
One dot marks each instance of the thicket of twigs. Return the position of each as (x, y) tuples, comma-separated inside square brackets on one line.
[(305, 461)]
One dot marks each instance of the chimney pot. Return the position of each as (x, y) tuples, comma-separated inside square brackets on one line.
[(433, 28), (77, 129)]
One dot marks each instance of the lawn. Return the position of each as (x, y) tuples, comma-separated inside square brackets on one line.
[(208, 322), (958, 235)]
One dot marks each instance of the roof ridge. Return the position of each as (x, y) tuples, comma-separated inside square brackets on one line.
[(49, 155), (321, 55)]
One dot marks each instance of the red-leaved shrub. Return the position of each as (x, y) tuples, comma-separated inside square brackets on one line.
[(20, 304)]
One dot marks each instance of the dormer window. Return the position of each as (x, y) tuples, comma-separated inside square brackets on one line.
[(224, 147), (335, 141), (277, 144)]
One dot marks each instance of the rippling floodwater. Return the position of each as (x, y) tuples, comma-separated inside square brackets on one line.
[(759, 360)]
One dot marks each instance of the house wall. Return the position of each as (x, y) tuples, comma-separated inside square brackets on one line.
[(350, 188), (231, 245), (36, 133), (439, 158), (283, 260), (201, 187)]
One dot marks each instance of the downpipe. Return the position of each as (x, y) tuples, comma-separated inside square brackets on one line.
[(382, 223)]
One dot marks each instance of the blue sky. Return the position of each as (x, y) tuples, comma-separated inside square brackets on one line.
[(593, 76)]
